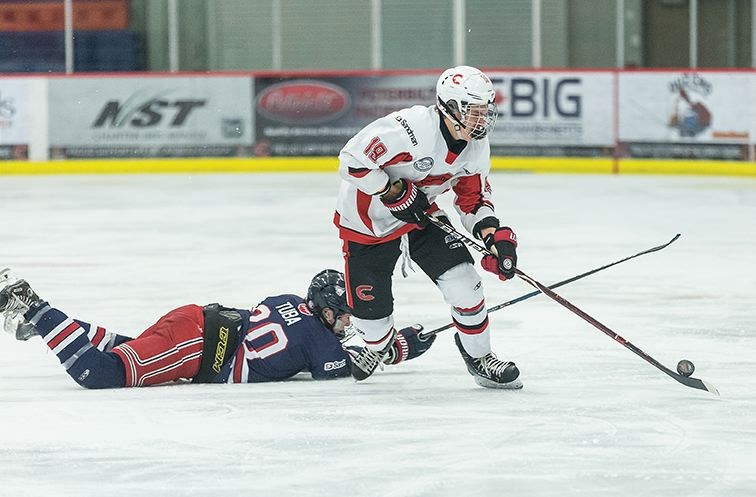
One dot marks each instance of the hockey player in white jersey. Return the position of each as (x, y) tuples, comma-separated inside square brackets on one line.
[(392, 172)]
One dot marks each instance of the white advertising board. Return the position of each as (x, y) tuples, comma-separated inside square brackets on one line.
[(689, 107), (15, 117), (150, 116), (554, 108)]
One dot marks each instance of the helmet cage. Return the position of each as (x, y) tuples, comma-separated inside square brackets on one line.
[(477, 119)]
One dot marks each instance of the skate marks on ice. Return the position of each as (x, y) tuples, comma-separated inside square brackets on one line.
[(592, 419)]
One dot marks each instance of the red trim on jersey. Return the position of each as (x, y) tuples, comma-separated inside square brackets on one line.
[(469, 192), (400, 157), (347, 234), (359, 172), (98, 336), (345, 251), (451, 157), (363, 204), (63, 335), (434, 180), (355, 236)]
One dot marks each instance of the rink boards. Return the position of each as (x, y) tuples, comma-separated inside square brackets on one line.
[(329, 164)]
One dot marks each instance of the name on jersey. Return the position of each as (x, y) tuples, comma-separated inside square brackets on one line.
[(289, 313), (407, 128)]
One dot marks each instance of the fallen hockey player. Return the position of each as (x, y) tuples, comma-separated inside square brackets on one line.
[(280, 337)]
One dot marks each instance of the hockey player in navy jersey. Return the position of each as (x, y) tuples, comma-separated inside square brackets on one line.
[(392, 171), (280, 337)]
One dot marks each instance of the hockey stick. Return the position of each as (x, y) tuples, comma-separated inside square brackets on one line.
[(427, 334), (685, 380)]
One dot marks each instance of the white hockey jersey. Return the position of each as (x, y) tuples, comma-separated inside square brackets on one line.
[(408, 144)]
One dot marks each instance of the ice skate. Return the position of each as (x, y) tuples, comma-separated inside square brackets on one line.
[(25, 331), (16, 297), (489, 371)]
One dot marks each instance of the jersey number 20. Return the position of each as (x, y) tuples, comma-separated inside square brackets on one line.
[(274, 343)]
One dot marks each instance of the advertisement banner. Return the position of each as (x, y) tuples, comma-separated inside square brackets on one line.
[(15, 115), (561, 113), (686, 114), (318, 116), (150, 117)]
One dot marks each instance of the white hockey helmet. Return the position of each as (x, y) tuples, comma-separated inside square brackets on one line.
[(466, 96)]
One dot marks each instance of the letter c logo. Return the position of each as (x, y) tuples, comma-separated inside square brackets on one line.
[(362, 292), (456, 79)]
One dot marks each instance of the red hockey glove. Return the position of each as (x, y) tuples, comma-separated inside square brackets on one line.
[(502, 242), (409, 205), (408, 345)]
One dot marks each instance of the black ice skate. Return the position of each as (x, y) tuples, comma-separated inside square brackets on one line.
[(489, 371), (16, 297), (367, 360)]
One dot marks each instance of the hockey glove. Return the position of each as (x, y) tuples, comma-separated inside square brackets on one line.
[(503, 243), (409, 204), (408, 345)]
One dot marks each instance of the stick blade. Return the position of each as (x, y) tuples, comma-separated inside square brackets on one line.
[(711, 388), (696, 383)]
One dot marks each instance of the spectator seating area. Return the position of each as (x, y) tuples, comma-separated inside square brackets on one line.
[(32, 36)]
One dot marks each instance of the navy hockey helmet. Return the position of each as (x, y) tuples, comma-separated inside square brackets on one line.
[(328, 291)]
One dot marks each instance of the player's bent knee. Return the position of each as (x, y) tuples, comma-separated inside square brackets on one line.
[(97, 370), (461, 286)]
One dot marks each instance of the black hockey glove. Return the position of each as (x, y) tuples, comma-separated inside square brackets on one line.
[(503, 243), (409, 205), (408, 345)]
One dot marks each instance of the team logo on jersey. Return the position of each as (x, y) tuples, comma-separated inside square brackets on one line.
[(362, 292), (304, 309), (424, 164)]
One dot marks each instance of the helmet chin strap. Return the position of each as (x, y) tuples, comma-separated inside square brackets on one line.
[(458, 131), (448, 112)]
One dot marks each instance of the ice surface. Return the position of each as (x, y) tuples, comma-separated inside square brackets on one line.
[(593, 419)]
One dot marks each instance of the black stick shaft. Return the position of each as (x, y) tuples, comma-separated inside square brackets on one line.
[(428, 333), (685, 380)]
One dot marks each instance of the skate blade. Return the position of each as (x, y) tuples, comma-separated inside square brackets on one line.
[(486, 383)]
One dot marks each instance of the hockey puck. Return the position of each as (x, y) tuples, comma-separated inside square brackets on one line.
[(685, 367)]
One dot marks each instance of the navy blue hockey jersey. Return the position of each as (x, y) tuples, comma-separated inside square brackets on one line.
[(281, 339)]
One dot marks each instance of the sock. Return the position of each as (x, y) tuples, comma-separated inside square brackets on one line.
[(89, 366), (101, 338)]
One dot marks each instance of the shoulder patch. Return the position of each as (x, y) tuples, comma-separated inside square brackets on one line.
[(424, 164), (304, 309)]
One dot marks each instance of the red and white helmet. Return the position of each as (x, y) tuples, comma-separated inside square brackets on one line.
[(466, 96)]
